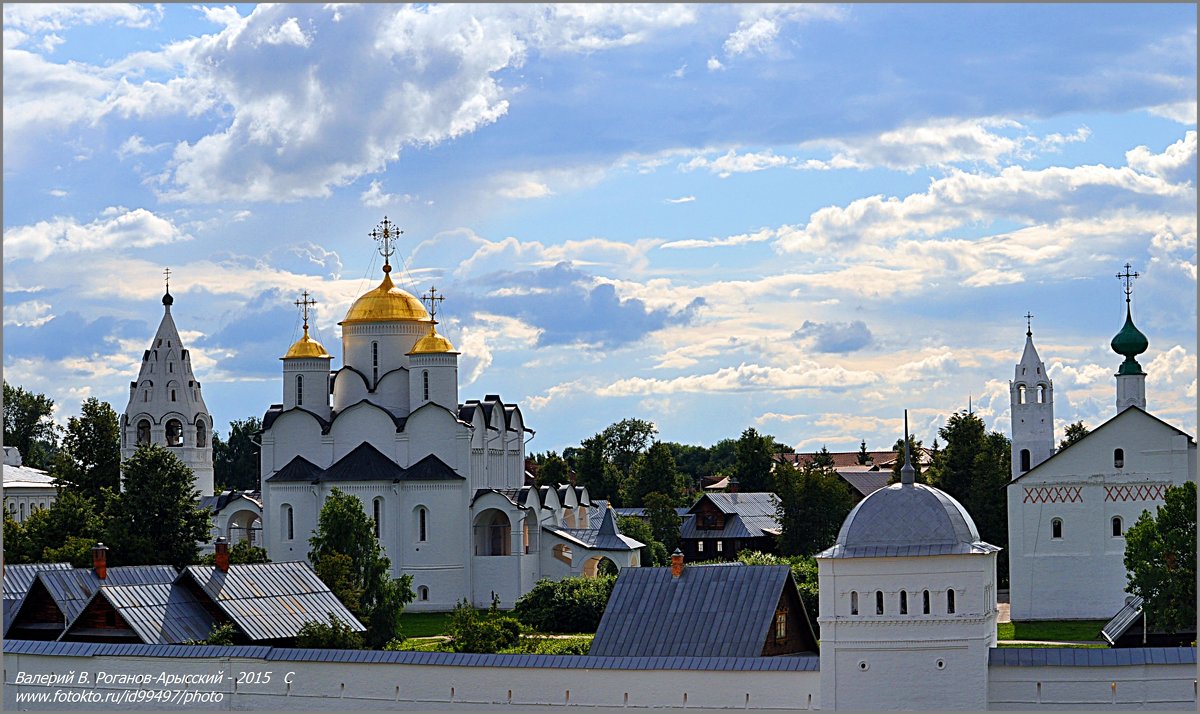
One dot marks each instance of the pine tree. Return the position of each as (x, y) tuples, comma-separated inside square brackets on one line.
[(755, 460), (864, 457)]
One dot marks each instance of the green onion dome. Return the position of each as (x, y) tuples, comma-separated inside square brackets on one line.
[(1130, 342)]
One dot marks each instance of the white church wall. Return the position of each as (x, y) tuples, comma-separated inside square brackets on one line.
[(294, 433), (349, 388), (434, 430), (286, 543), (1153, 687), (359, 423), (437, 562), (393, 391)]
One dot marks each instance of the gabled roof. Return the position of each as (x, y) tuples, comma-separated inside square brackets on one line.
[(749, 515), (607, 536), (711, 611), (72, 589), (363, 463), (1100, 428), (271, 601), (158, 613), (217, 502), (298, 469), (866, 482), (430, 468), (17, 581)]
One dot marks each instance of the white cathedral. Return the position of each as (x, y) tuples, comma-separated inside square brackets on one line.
[(443, 481)]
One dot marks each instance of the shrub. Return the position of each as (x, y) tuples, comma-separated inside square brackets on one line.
[(336, 635), (486, 632), (552, 646), (568, 605)]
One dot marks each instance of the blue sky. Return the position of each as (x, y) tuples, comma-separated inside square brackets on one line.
[(803, 219)]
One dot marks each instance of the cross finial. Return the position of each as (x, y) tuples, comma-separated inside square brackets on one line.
[(386, 234), (432, 298), (304, 303), (1029, 324), (1128, 278), (167, 276)]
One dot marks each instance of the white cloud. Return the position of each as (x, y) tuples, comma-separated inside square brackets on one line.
[(734, 163), (1177, 162), (136, 146), (287, 32), (761, 24), (744, 377), (376, 197), (57, 193), (39, 18), (525, 188), (28, 314), (751, 35), (680, 72), (117, 228), (1182, 112), (681, 199), (760, 236), (714, 64)]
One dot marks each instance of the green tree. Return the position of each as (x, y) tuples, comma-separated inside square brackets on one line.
[(16, 541), (655, 553), (332, 635), (72, 515), (625, 441), (593, 470), (823, 458), (664, 521), (655, 473), (754, 454), (383, 625), (242, 553), (90, 458), (336, 571), (1160, 560), (77, 551), (1073, 433), (914, 448), (553, 471), (573, 604), (28, 427), (155, 519), (813, 502), (482, 632), (864, 457), (236, 460)]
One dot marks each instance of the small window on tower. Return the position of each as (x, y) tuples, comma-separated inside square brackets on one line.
[(1041, 394), (1024, 460), (925, 603), (853, 603), (1056, 528), (1020, 394), (903, 602), (374, 363), (172, 395), (1119, 458), (878, 602), (425, 379), (950, 601), (299, 390), (1116, 527)]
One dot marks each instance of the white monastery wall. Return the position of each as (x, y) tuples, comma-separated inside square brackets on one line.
[(1152, 687)]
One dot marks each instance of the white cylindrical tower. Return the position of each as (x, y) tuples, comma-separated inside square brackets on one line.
[(433, 372), (306, 373)]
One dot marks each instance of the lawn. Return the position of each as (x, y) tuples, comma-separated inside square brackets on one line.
[(1053, 630), (424, 624)]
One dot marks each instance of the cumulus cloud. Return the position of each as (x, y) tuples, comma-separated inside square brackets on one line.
[(734, 163), (840, 337), (681, 199), (1182, 112), (32, 313), (1176, 163), (714, 64), (761, 24), (39, 18), (118, 228), (744, 378), (759, 236), (376, 197)]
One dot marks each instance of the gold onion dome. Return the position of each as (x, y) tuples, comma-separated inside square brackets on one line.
[(386, 303), (307, 347), (433, 343)]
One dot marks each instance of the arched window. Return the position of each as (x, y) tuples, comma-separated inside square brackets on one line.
[(201, 433), (172, 395), (21, 513), (903, 602), (1116, 526), (174, 433), (878, 602), (422, 524), (493, 533), (143, 432), (425, 380), (1056, 528), (423, 592), (853, 603), (289, 524), (1041, 394), (145, 395), (377, 514), (299, 389), (950, 601), (925, 603), (1119, 458), (374, 363), (1024, 460), (1020, 394)]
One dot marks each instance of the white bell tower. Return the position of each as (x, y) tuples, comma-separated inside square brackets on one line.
[(1031, 397)]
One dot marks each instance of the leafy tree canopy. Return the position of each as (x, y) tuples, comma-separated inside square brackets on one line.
[(754, 460), (664, 521), (864, 457), (567, 605), (553, 471), (90, 458), (813, 503), (236, 460), (155, 519), (1074, 432), (1160, 560), (333, 634), (27, 425), (655, 473)]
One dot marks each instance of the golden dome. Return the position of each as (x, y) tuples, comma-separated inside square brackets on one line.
[(433, 343), (386, 303), (307, 347)]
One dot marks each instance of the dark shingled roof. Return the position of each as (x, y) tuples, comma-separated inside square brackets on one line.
[(710, 611), (298, 469), (363, 463), (158, 613), (271, 600), (430, 468), (606, 537)]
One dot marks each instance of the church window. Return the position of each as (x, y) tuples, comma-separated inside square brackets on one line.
[(374, 362), (299, 390), (21, 512), (1056, 528), (422, 520), (377, 515), (780, 627), (157, 344), (423, 592), (170, 366), (425, 380), (1116, 526), (289, 524), (143, 432), (174, 433), (1020, 394), (145, 395), (925, 602), (853, 603), (878, 602), (172, 395), (201, 434), (950, 601), (1119, 458), (1024, 460), (903, 602), (1041, 394)]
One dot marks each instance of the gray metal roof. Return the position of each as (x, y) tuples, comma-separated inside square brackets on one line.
[(430, 468), (1122, 621), (72, 589), (605, 537), (1089, 656), (907, 520), (744, 504), (158, 613), (363, 463), (717, 611), (18, 578), (866, 482), (271, 600), (749, 515)]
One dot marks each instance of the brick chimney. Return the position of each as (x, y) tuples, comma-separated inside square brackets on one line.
[(222, 554), (677, 563), (733, 484), (100, 560)]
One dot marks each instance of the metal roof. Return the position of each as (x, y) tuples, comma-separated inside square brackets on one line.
[(72, 589), (605, 537), (219, 501), (866, 482), (720, 611), (750, 515), (18, 578), (430, 468), (1089, 657), (907, 520), (363, 463), (158, 613), (271, 600), (1122, 621), (298, 469)]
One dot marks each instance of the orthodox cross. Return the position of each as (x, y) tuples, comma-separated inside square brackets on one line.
[(304, 304), (1028, 323), (167, 274), (386, 234), (433, 299), (1128, 277)]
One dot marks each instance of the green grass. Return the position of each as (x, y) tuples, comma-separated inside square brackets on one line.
[(424, 624), (1053, 630), (1047, 645)]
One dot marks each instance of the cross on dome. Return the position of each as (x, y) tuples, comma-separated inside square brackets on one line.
[(1029, 324), (167, 274), (304, 303), (386, 234), (432, 299), (1128, 278)]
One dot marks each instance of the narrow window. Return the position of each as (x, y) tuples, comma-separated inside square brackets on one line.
[(170, 366), (421, 519), (878, 602), (853, 603), (376, 515), (21, 510), (172, 395), (425, 379), (143, 432), (1041, 394), (1116, 526), (291, 525), (146, 396), (950, 601), (423, 592), (720, 546), (925, 603), (1056, 528), (374, 362), (299, 390), (781, 627), (201, 434), (1020, 394), (174, 433), (903, 602), (699, 546), (1119, 458)]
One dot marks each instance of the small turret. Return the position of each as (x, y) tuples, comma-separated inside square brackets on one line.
[(1031, 404), (306, 371), (433, 364), (1129, 343)]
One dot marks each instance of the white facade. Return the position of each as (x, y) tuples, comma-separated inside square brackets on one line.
[(26, 489), (443, 481), (1031, 399)]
